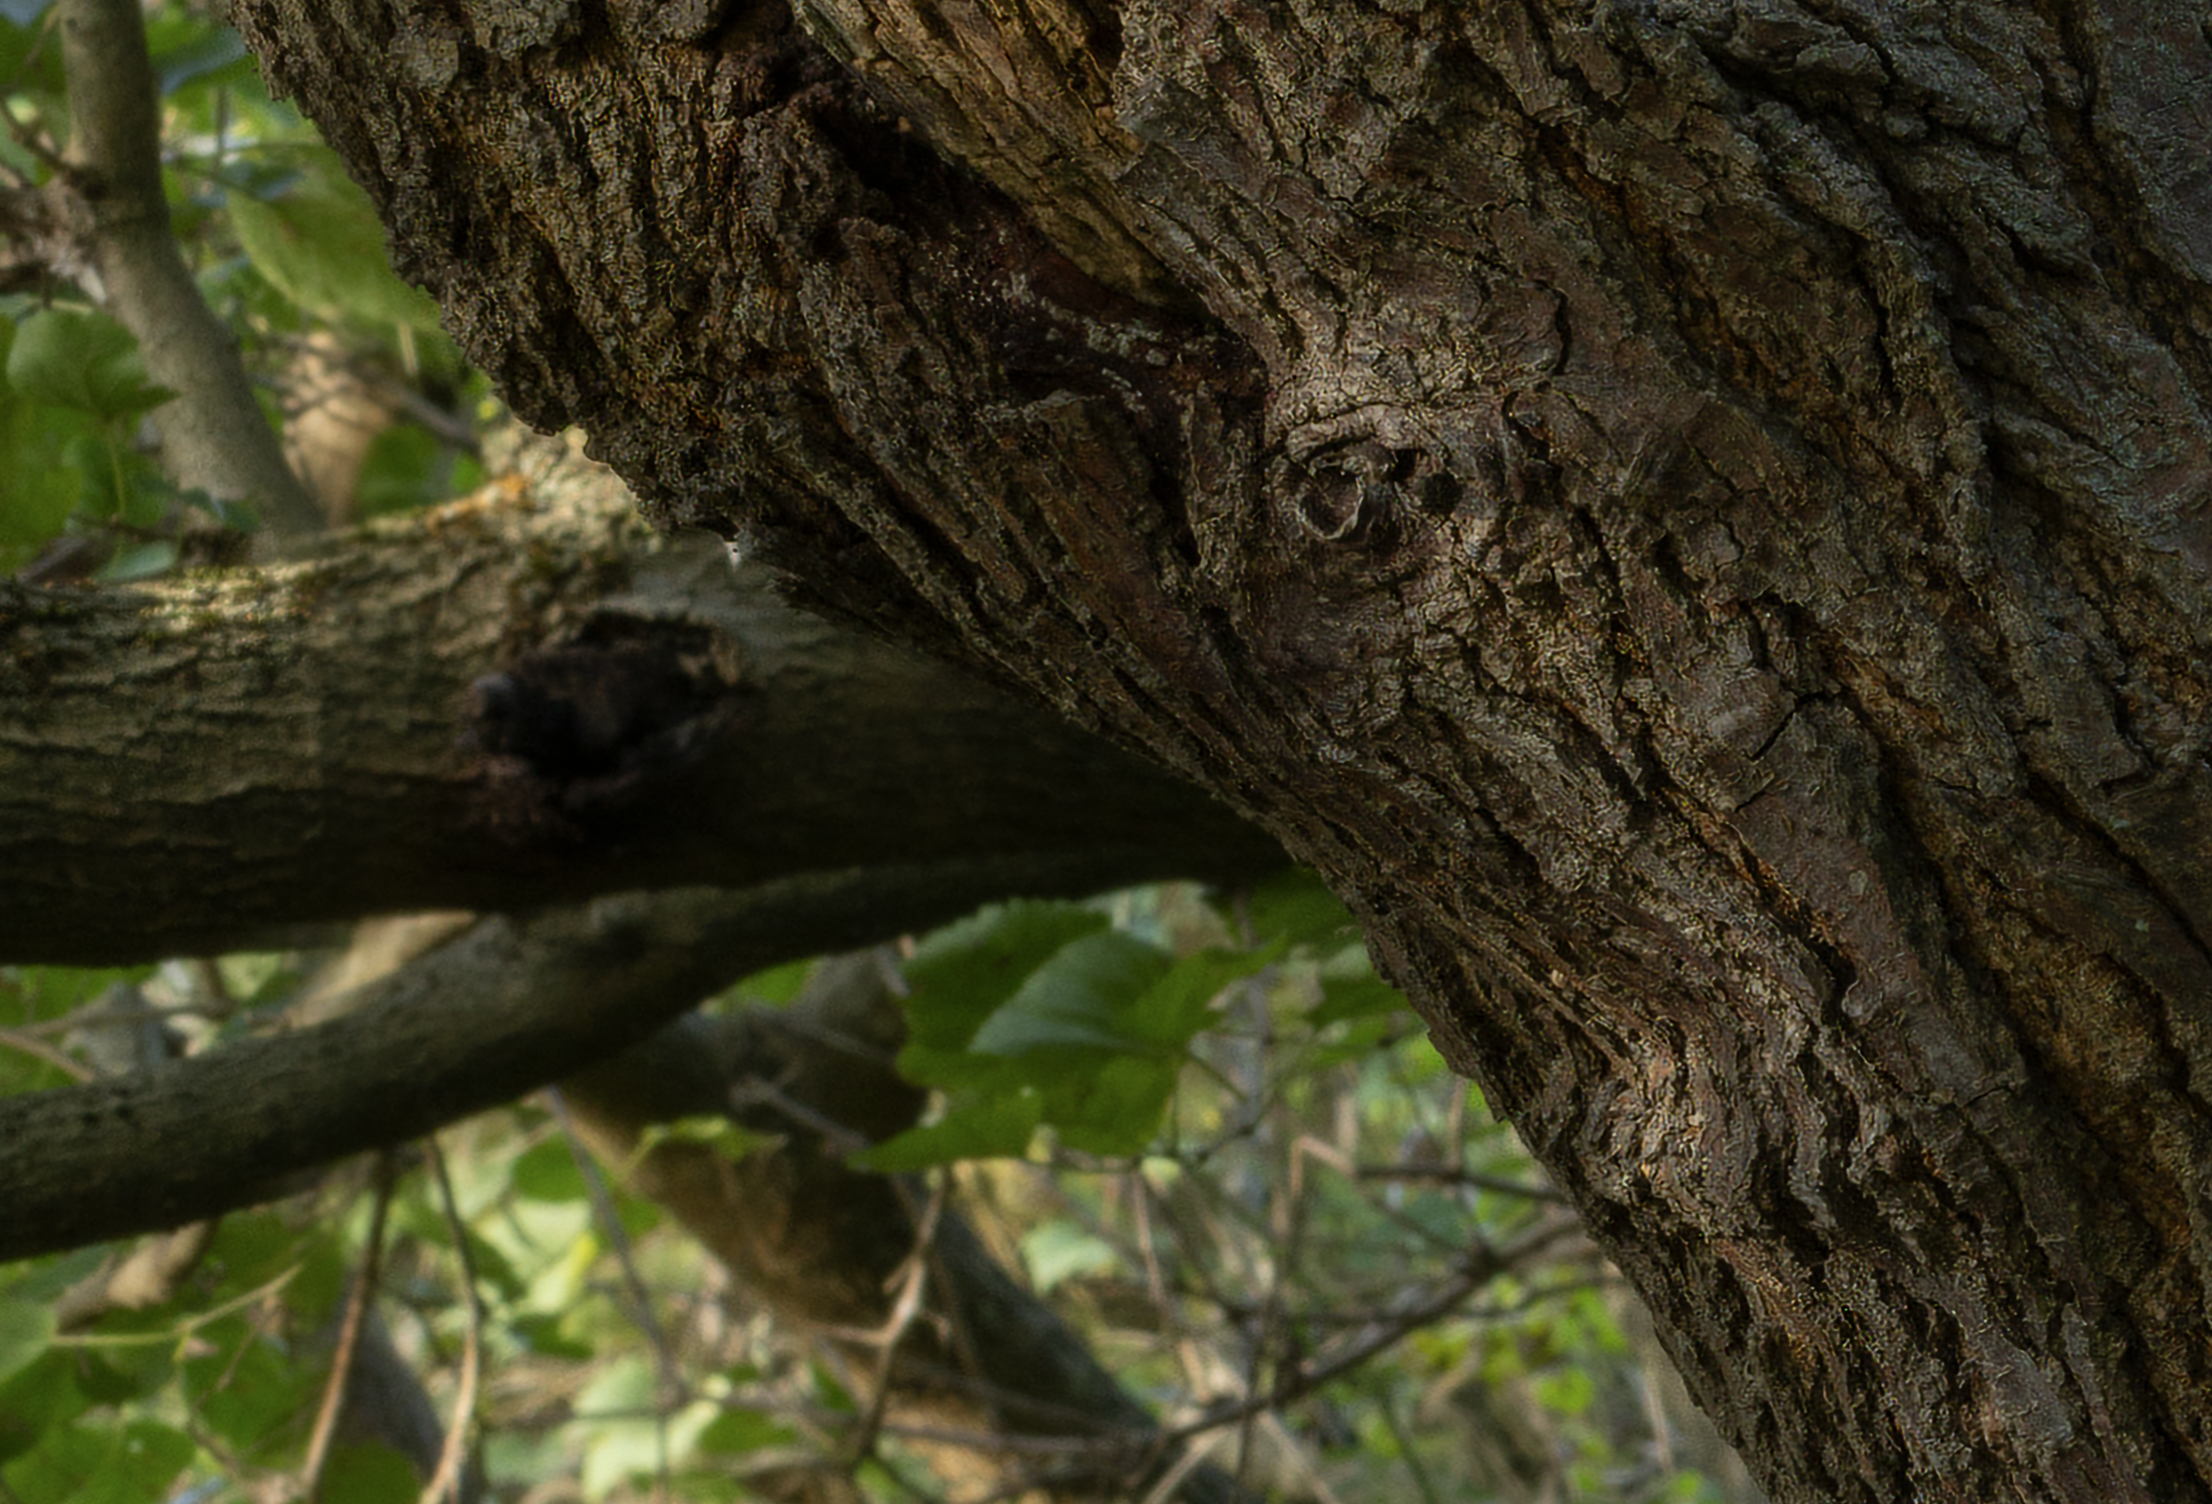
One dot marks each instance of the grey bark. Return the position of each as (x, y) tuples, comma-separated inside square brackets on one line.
[(111, 204), (513, 1005), (1694, 515), (519, 701)]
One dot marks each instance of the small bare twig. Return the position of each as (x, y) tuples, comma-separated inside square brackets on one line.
[(446, 1479), (358, 1302), (38, 1049), (913, 1285), (609, 1218)]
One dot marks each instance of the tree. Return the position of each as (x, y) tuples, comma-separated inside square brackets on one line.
[(1691, 516), (516, 701)]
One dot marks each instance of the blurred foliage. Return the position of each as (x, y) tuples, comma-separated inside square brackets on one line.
[(1198, 1123), (284, 245), (1288, 1176)]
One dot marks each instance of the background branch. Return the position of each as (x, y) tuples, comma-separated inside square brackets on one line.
[(213, 435)]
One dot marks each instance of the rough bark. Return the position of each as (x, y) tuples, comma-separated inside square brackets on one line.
[(510, 1007), (520, 700), (1693, 514)]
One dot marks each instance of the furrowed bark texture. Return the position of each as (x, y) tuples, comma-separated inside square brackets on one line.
[(1692, 513), (520, 700)]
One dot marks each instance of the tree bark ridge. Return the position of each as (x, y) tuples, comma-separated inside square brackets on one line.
[(1693, 516)]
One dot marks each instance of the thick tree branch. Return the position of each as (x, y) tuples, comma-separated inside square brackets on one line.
[(1695, 517), (521, 700), (510, 1006)]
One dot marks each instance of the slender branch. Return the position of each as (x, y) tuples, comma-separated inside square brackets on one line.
[(445, 1479), (358, 1304), (503, 1010), (213, 435)]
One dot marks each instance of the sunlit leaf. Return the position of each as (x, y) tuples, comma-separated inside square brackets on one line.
[(1060, 1250), (988, 1128), (1081, 995), (25, 1330), (320, 243), (960, 975), (80, 359)]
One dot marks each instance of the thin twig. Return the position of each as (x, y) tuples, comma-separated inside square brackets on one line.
[(39, 1049), (609, 1218), (913, 1285), (349, 1333), (447, 1478)]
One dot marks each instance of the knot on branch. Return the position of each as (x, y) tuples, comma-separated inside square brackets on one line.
[(1363, 490)]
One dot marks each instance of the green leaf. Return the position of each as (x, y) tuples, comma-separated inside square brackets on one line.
[(1112, 1107), (40, 1399), (1059, 1250), (25, 1330), (321, 245), (738, 1431), (84, 360), (959, 976), (186, 48), (1297, 906), (140, 561), (1179, 1006), (1082, 995), (1358, 997), (244, 1390), (126, 1464), (547, 1172), (732, 1141), (988, 1128), (368, 1473)]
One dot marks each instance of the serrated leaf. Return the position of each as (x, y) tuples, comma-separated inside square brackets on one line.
[(83, 360), (960, 975), (1082, 995), (320, 244)]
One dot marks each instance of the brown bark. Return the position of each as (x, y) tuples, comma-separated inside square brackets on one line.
[(1693, 515), (520, 700)]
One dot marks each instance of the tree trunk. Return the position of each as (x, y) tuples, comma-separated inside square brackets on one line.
[(1693, 515)]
